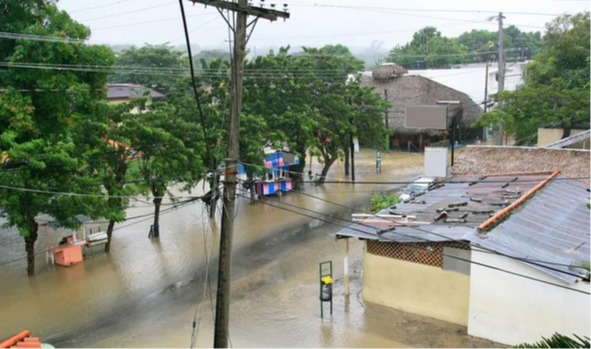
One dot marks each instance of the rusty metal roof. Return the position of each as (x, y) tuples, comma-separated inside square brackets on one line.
[(551, 226), (458, 190)]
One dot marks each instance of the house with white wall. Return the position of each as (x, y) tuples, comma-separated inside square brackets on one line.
[(500, 254)]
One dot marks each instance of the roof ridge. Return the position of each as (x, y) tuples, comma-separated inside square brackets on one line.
[(516, 203)]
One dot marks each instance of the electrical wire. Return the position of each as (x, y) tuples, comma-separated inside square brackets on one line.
[(427, 250), (447, 239), (128, 12), (101, 6), (304, 4), (162, 213), (106, 196)]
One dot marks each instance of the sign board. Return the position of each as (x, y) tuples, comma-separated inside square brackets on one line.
[(436, 162), (432, 117)]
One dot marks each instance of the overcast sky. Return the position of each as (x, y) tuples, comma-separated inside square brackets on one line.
[(381, 21)]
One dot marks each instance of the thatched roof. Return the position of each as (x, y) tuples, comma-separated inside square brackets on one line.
[(406, 90), (491, 159), (388, 71)]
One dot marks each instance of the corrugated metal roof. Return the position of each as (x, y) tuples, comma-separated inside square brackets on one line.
[(457, 190), (553, 226), (130, 91)]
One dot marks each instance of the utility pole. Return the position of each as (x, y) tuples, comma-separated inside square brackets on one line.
[(242, 10), (501, 77), (386, 119), (485, 99), (352, 146)]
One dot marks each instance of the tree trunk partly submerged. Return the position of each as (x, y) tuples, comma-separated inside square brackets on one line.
[(30, 248), (156, 226), (325, 169), (109, 234)]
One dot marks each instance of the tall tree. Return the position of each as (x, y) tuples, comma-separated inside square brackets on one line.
[(36, 114), (169, 153), (168, 64), (556, 90), (430, 46)]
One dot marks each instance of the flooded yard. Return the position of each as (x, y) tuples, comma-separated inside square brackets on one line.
[(145, 293)]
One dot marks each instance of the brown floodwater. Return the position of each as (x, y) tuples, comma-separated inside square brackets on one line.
[(145, 293)]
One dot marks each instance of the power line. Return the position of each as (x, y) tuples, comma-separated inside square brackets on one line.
[(127, 13), (427, 250), (149, 216), (376, 10), (39, 191), (97, 7), (447, 239), (302, 4), (149, 22)]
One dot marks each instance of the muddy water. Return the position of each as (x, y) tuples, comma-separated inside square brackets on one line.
[(145, 292)]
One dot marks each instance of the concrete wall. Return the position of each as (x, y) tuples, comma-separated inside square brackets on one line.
[(551, 135), (126, 100), (416, 288), (436, 162), (513, 310)]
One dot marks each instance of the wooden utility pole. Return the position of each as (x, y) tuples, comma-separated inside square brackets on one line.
[(387, 119), (242, 10), (485, 99), (501, 77)]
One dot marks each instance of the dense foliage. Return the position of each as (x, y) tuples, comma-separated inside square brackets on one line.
[(430, 49), (556, 90), (383, 201), (37, 111)]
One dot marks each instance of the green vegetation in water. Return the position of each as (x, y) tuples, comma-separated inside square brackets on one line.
[(589, 206), (585, 265), (382, 201), (558, 341)]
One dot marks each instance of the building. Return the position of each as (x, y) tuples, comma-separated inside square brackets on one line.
[(124, 93), (403, 90), (499, 254), (471, 79), (552, 136)]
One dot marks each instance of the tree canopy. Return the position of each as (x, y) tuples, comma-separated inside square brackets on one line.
[(556, 90), (430, 49), (37, 110)]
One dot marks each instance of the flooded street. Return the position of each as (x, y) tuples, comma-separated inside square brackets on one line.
[(145, 293)]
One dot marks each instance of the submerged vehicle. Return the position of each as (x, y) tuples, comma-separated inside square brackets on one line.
[(419, 186)]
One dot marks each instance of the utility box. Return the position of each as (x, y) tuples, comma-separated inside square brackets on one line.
[(436, 162), (67, 255)]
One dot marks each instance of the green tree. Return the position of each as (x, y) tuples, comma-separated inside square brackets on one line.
[(430, 46), (36, 114), (170, 65), (101, 139), (169, 153), (305, 102), (556, 92)]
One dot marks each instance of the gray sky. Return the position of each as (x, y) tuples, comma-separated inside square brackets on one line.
[(310, 25)]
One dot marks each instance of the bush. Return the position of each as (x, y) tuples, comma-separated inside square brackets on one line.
[(558, 341), (380, 202)]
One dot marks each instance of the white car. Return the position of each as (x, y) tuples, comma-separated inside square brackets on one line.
[(419, 186)]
